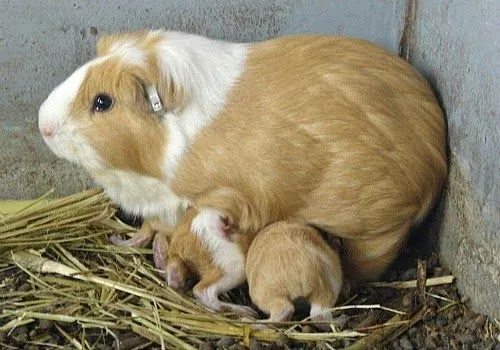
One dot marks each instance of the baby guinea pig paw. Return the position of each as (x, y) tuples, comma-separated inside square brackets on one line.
[(211, 222), (176, 274), (160, 250)]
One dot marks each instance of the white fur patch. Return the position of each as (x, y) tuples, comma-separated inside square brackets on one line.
[(176, 146), (140, 195), (208, 69), (225, 254), (66, 141), (210, 297)]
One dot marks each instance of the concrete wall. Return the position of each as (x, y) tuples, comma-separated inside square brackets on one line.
[(453, 42), (456, 44)]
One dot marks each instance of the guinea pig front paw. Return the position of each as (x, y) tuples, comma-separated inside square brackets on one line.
[(140, 239), (210, 222)]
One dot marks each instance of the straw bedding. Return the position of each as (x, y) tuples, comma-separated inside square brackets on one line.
[(65, 285)]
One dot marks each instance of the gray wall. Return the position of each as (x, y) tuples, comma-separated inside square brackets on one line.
[(454, 43)]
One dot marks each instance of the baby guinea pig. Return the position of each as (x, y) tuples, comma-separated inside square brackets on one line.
[(289, 260), (219, 264)]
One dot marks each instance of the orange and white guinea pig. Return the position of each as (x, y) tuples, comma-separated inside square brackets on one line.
[(330, 130), (219, 266)]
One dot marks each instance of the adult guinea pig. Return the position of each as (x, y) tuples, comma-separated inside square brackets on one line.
[(330, 130)]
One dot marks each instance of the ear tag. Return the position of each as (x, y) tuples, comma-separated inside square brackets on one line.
[(154, 99)]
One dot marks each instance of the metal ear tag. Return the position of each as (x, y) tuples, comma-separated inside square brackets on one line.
[(154, 99)]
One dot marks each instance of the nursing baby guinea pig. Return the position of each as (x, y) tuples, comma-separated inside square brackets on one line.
[(333, 131), (285, 261), (220, 265), (290, 260)]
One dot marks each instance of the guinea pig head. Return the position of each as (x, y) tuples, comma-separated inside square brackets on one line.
[(107, 114)]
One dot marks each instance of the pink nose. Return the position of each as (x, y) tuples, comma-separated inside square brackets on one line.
[(48, 130)]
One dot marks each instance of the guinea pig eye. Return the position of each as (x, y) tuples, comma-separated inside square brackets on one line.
[(102, 103)]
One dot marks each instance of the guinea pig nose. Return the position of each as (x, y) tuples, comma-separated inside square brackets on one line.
[(48, 130)]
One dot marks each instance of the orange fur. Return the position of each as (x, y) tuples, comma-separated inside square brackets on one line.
[(330, 130), (287, 261)]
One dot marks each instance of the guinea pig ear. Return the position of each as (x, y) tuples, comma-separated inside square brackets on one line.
[(163, 92), (106, 42)]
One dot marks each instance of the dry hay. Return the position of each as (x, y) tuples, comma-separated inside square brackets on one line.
[(92, 290)]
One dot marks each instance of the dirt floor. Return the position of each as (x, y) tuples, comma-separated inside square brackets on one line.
[(444, 322)]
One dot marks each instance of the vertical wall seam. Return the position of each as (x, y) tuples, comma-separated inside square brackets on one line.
[(406, 40)]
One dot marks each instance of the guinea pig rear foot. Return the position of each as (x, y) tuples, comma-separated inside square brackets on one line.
[(241, 310), (321, 315), (276, 316)]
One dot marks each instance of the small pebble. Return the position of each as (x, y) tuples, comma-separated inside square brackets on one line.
[(20, 333), (419, 340), (412, 332), (237, 347), (45, 324), (255, 344), (441, 320), (307, 329), (386, 293), (430, 342), (347, 343), (465, 339), (410, 274), (283, 340), (341, 321), (406, 343), (395, 345), (438, 271), (24, 287), (225, 342), (208, 345), (479, 322), (408, 300)]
